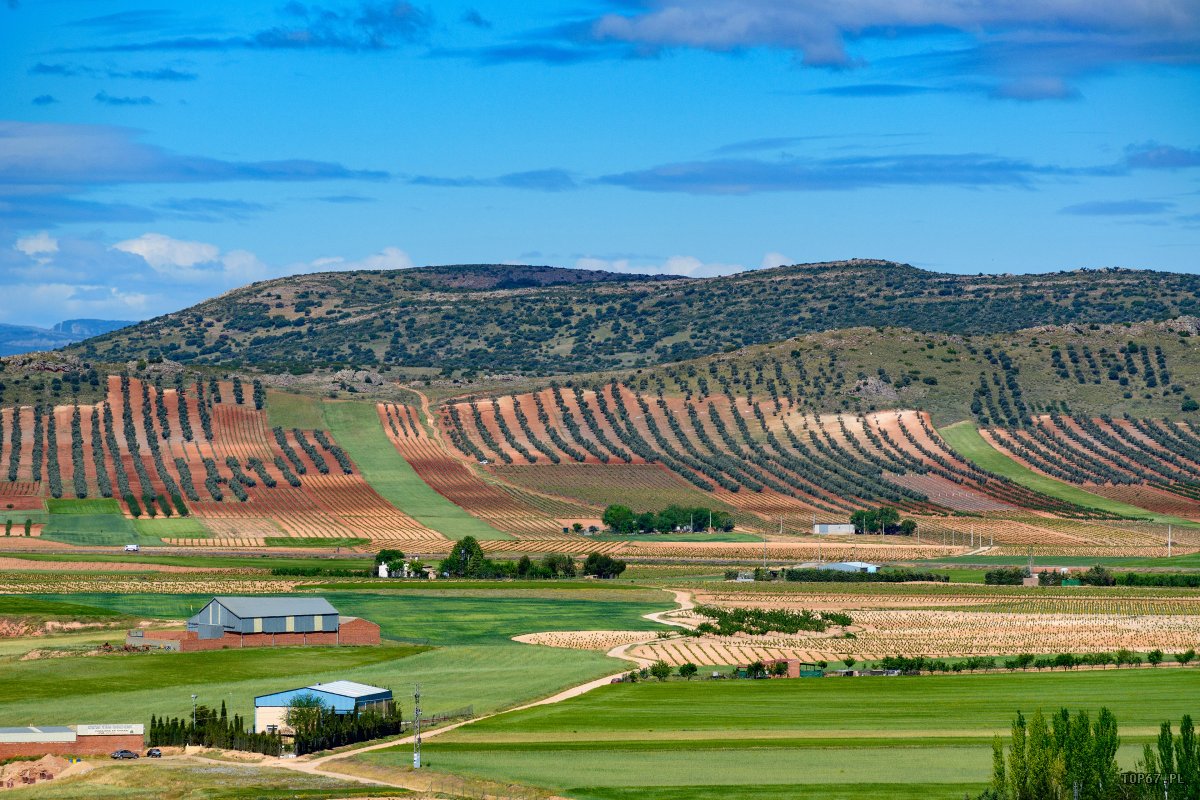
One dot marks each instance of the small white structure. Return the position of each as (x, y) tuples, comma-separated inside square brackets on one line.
[(384, 572), (829, 528), (850, 566)]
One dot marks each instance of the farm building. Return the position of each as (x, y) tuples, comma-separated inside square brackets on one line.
[(827, 528), (80, 740), (261, 622), (850, 566), (343, 697)]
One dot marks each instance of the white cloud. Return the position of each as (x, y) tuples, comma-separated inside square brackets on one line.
[(169, 255), (387, 258), (773, 259), (690, 266), (40, 247)]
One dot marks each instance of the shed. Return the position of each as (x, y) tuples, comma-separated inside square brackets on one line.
[(343, 697), (248, 615), (850, 566), (828, 528)]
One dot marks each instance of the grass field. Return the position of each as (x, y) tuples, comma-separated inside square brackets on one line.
[(1190, 561), (199, 780), (172, 527), (926, 737), (214, 562), (303, 541), (356, 428), (12, 605), (37, 517), (95, 529), (676, 537), (964, 438), (474, 663), (100, 505), (294, 411)]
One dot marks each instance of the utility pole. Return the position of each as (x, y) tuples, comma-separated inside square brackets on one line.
[(1168, 541), (417, 726), (193, 712)]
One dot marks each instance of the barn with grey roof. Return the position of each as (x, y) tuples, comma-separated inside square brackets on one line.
[(261, 622)]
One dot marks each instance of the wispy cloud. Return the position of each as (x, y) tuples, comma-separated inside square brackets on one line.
[(749, 176), (1023, 50), (544, 180), (82, 71), (44, 100), (45, 167), (209, 209), (112, 100), (1152, 155), (368, 26), (1118, 208)]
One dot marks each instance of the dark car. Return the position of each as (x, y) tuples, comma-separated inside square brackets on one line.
[(154, 752), (124, 754)]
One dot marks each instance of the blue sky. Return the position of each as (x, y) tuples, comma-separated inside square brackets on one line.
[(152, 155)]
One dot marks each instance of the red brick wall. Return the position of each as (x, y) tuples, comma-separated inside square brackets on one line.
[(352, 632), (82, 746), (360, 631)]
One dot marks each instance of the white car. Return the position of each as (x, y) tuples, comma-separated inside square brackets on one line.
[(132, 548)]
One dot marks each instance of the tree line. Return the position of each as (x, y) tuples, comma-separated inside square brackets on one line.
[(623, 519)]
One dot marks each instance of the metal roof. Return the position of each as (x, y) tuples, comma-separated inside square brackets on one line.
[(342, 696), (39, 729), (251, 607), (348, 689)]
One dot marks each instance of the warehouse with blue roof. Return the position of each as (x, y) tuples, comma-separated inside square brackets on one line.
[(342, 697)]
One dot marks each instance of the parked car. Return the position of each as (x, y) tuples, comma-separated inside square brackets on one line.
[(132, 548), (154, 752), (121, 754)]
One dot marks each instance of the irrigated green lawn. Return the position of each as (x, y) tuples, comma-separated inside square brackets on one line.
[(99, 505), (965, 439), (475, 662), (294, 411), (926, 737), (95, 529), (356, 428), (172, 527)]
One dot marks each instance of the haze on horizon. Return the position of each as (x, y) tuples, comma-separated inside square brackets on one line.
[(151, 157)]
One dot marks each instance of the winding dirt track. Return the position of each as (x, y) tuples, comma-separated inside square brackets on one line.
[(314, 766)]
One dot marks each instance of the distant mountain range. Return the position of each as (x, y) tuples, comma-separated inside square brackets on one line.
[(17, 339)]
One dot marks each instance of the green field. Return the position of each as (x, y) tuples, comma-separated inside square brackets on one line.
[(356, 428), (18, 518), (263, 561), (294, 411), (95, 529), (201, 780), (15, 605), (99, 505), (474, 661), (303, 541), (172, 527), (676, 537), (926, 737), (964, 438)]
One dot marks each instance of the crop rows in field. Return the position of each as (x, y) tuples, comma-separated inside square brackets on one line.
[(454, 480), (1153, 463), (942, 633), (194, 448), (768, 459)]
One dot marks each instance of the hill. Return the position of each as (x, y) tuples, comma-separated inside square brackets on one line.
[(492, 319), (1143, 369)]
